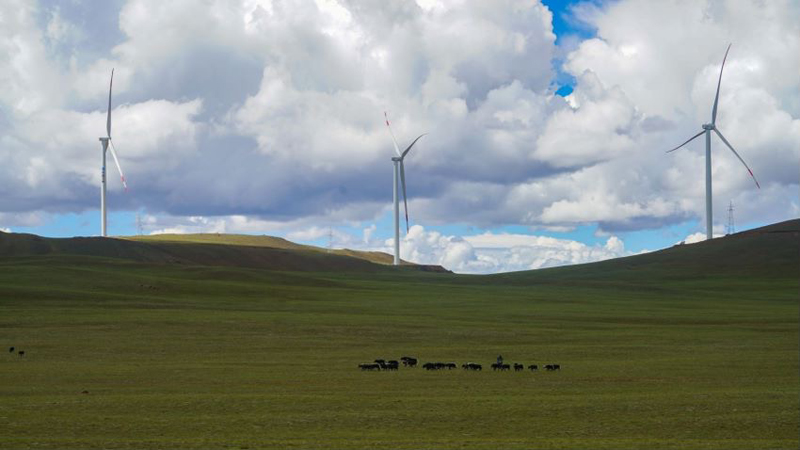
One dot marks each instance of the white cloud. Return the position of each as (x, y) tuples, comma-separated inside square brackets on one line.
[(694, 238), (491, 253), (272, 112)]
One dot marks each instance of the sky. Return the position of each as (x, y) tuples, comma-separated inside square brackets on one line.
[(548, 122)]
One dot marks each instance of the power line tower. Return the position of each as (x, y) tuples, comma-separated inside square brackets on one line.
[(731, 226)]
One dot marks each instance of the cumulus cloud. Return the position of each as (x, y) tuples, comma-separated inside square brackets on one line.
[(504, 252), (272, 111)]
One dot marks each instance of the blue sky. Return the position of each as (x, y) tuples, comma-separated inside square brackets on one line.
[(245, 118)]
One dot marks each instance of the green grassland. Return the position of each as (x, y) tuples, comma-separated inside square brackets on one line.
[(692, 347)]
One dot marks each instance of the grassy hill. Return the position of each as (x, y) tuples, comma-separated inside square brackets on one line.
[(260, 252), (768, 252), (695, 346)]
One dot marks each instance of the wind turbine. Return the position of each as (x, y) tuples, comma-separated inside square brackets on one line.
[(105, 141), (399, 172), (707, 129)]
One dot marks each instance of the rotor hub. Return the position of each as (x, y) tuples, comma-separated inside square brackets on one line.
[(708, 126)]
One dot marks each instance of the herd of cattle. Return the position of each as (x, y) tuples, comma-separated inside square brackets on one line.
[(407, 361)]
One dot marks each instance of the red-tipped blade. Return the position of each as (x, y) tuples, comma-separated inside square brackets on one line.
[(737, 155)]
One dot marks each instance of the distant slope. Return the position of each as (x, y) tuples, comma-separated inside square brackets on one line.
[(262, 252), (221, 238), (262, 241), (769, 252)]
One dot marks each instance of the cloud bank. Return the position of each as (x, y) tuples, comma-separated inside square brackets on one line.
[(272, 111)]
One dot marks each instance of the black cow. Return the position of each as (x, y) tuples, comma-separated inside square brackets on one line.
[(11, 350), (501, 367), (552, 367), (533, 367), (471, 366), (450, 366), (21, 353), (381, 363), (518, 367), (391, 365), (409, 361), (436, 366), (369, 366)]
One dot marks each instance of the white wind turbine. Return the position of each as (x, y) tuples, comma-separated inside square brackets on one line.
[(399, 169), (105, 141), (707, 129)]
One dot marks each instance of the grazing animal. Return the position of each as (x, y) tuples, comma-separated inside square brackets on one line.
[(501, 367), (552, 367), (21, 353), (391, 365), (518, 367), (438, 366), (409, 361), (471, 366), (533, 367), (369, 366), (11, 350), (381, 363)]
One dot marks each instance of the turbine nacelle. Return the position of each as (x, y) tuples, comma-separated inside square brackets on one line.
[(708, 126)]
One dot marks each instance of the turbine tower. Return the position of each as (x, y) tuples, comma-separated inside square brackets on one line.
[(707, 129), (105, 141), (399, 172)]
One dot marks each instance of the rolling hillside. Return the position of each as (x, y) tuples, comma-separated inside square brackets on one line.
[(258, 252), (767, 252), (771, 251), (188, 342)]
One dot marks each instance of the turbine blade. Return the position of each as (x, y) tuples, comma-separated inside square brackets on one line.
[(716, 99), (689, 140), (403, 182), (108, 120), (396, 147), (116, 161), (405, 152), (737, 155)]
